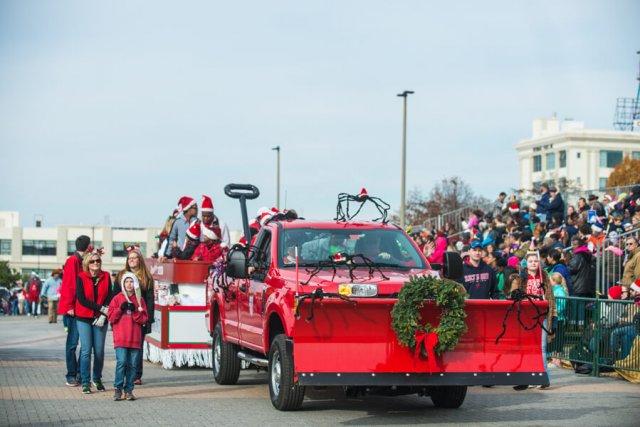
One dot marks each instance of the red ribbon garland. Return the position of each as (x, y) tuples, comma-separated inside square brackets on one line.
[(429, 340)]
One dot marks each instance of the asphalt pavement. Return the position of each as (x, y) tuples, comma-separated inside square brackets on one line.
[(32, 392)]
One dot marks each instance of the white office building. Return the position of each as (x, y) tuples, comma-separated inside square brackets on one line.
[(564, 152), (42, 249)]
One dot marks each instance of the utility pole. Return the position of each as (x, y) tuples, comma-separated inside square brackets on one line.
[(277, 150), (403, 174)]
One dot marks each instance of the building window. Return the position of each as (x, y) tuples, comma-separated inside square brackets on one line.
[(602, 183), (71, 246), (119, 248), (5, 247), (635, 155), (563, 159), (609, 159), (38, 247), (550, 160), (537, 163)]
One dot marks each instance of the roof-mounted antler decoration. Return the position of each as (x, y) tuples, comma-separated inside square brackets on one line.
[(344, 214)]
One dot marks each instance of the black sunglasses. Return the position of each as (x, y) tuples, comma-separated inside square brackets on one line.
[(95, 261)]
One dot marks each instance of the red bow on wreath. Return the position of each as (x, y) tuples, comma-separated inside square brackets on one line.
[(426, 343)]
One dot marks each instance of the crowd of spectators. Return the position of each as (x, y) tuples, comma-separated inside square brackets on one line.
[(567, 238)]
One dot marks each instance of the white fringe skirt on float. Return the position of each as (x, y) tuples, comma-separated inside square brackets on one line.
[(176, 358)]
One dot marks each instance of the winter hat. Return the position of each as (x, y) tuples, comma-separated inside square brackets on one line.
[(209, 233), (206, 205), (514, 207), (533, 206), (185, 203), (476, 244), (513, 262), (615, 292), (636, 285), (194, 231), (136, 285)]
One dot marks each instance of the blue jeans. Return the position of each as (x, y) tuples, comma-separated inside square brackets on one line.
[(91, 339), (70, 348), (126, 366), (622, 338)]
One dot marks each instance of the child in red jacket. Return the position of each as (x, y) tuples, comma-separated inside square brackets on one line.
[(210, 249), (127, 313)]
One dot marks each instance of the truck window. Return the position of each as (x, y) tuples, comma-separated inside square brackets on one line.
[(384, 247), (261, 256)]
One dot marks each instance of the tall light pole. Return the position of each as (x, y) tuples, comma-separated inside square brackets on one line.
[(277, 150), (403, 176)]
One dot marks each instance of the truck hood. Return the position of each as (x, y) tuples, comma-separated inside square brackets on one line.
[(325, 279)]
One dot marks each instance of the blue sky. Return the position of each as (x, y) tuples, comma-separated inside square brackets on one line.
[(118, 108)]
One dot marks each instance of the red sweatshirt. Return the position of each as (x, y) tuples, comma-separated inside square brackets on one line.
[(72, 267), (207, 253), (127, 326)]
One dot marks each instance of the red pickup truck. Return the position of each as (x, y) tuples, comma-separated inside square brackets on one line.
[(310, 323)]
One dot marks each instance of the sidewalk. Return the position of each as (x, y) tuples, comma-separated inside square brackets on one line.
[(32, 392)]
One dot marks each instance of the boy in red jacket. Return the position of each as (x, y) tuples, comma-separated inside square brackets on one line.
[(127, 313)]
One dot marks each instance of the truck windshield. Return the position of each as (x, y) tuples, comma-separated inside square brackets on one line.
[(384, 247)]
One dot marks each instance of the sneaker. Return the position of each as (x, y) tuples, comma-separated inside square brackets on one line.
[(544, 387), (520, 387), (137, 381), (72, 383), (117, 395), (129, 396), (99, 385), (86, 389)]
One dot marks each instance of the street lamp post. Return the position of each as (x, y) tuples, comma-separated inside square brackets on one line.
[(403, 173), (277, 150)]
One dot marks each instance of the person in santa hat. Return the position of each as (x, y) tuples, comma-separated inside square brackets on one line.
[(192, 240), (187, 216), (212, 222), (210, 249)]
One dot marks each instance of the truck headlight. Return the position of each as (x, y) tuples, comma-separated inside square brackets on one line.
[(358, 290)]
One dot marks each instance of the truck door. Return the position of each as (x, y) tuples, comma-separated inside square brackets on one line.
[(251, 294)]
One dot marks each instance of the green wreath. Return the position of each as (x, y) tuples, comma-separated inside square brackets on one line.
[(406, 320)]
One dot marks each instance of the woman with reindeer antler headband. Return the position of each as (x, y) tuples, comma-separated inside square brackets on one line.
[(135, 264), (93, 295)]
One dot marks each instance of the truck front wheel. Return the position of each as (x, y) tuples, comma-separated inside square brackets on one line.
[(285, 394), (448, 396), (224, 358)]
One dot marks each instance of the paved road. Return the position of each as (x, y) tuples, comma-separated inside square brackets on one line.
[(32, 392)]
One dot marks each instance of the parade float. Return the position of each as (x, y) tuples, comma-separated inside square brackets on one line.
[(179, 335)]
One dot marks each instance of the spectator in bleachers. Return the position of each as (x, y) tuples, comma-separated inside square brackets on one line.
[(555, 207), (631, 271), (582, 274)]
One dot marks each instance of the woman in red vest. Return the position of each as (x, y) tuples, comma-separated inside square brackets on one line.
[(93, 295)]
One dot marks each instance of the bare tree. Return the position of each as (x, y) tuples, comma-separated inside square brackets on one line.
[(447, 195)]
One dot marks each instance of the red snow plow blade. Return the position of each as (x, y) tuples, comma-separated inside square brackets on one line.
[(354, 344)]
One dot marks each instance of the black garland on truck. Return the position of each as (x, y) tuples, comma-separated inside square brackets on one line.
[(518, 297)]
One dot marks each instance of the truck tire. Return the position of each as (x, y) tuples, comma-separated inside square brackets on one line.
[(285, 394), (224, 359), (448, 396)]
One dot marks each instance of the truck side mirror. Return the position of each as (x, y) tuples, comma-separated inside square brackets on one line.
[(453, 266), (237, 264)]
